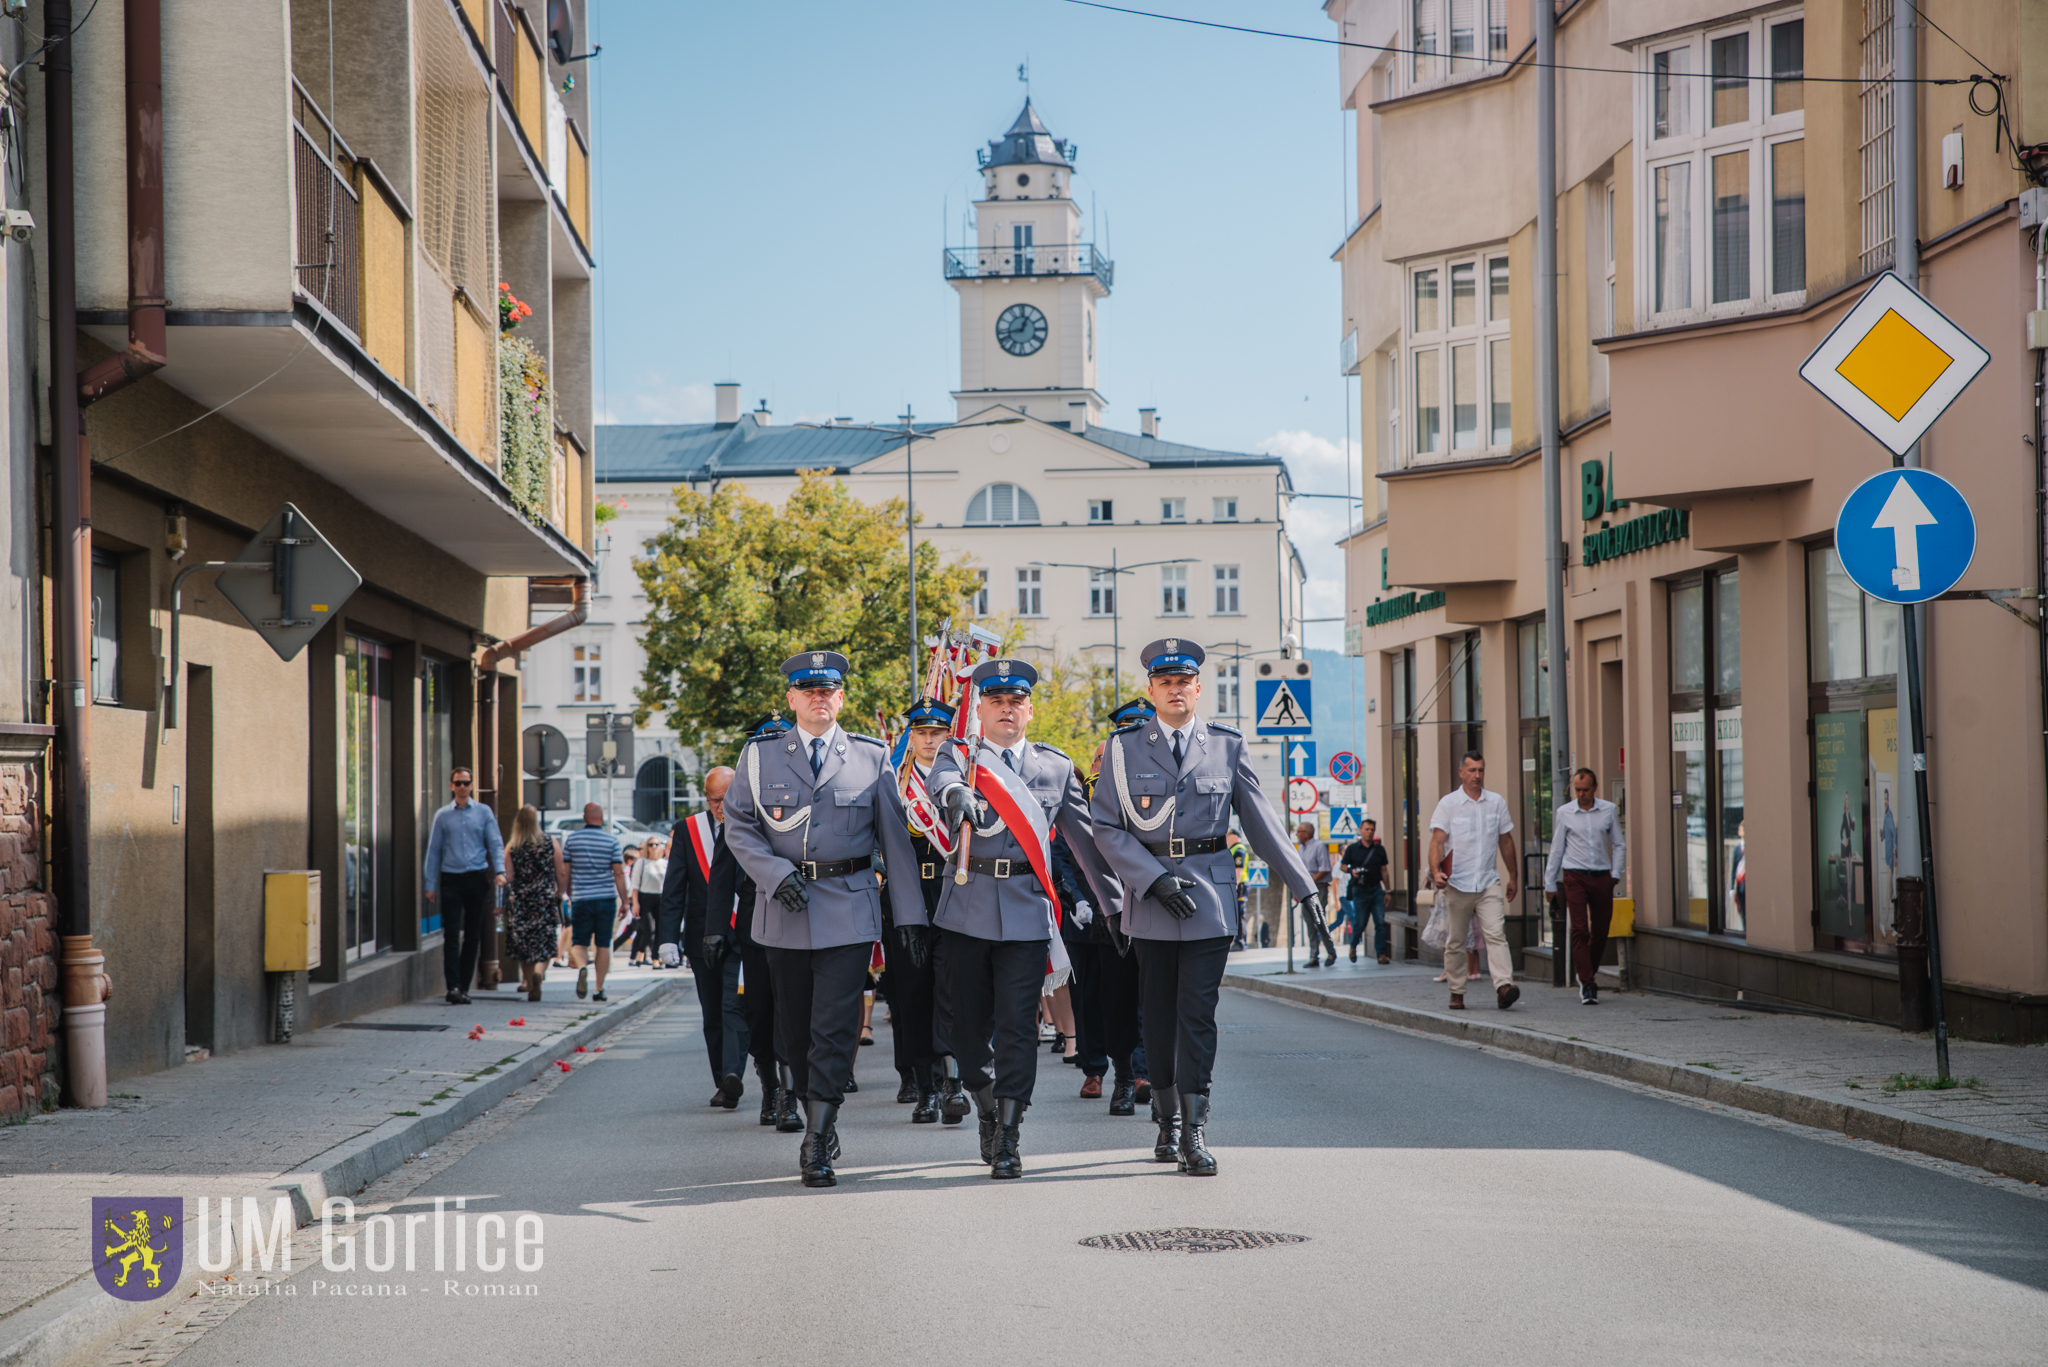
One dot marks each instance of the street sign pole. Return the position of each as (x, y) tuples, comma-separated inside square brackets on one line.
[(1919, 739)]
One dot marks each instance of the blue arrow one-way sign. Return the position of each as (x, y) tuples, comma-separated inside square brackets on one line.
[(1905, 536), (1301, 759)]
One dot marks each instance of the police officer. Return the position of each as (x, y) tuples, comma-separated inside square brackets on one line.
[(1116, 973), (1162, 807), (909, 986), (995, 927), (804, 818)]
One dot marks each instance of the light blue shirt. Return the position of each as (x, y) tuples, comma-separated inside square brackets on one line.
[(464, 839)]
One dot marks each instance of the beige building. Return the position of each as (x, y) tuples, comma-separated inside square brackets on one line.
[(1055, 509), (342, 197), (1717, 215)]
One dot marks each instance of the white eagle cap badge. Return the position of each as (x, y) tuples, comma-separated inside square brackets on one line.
[(1002, 666), (1172, 645), (818, 660)]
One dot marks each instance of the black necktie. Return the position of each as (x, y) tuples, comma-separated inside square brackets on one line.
[(1176, 750), (817, 756), (1010, 761)]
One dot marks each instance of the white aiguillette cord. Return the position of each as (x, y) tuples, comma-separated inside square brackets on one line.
[(1123, 795), (784, 825)]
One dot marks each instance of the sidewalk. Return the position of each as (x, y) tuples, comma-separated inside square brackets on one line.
[(331, 1111), (1819, 1072)]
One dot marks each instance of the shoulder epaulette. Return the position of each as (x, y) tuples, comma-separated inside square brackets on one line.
[(855, 735), (1053, 749), (764, 735), (1126, 730), (1226, 730)]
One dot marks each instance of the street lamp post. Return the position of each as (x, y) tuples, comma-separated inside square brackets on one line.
[(1116, 603)]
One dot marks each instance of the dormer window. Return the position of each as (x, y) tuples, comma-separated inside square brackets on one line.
[(1001, 505)]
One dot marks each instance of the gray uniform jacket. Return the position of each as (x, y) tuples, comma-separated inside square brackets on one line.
[(1215, 780), (849, 810), (1014, 908)]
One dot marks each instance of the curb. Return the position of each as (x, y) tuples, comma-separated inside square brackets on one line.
[(1967, 1144), (79, 1322)]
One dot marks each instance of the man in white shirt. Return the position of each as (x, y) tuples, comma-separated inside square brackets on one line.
[(1586, 855), (1468, 832)]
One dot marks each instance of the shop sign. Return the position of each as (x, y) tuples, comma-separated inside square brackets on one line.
[(1636, 534), (1407, 605), (1689, 730)]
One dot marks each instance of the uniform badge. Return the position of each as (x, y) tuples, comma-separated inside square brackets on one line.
[(1145, 803), (775, 812), (818, 660), (1172, 646)]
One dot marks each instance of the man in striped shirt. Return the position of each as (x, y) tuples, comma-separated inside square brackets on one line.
[(594, 875)]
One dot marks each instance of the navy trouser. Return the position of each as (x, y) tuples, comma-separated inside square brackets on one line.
[(1181, 980)]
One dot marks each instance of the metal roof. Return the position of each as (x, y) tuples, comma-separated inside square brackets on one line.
[(676, 453), (1028, 143)]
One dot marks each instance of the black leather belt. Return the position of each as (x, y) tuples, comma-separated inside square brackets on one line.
[(1181, 849), (837, 868), (928, 872), (998, 868)]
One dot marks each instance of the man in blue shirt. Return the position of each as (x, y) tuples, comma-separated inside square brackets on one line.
[(465, 860), (596, 866)]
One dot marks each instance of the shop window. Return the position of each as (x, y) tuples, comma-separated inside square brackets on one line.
[(1539, 807), (1404, 853), (1468, 726), (1709, 882), (367, 807), (437, 759), (1853, 718)]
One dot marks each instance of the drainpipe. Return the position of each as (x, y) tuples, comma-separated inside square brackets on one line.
[(1547, 428), (142, 22), (488, 762)]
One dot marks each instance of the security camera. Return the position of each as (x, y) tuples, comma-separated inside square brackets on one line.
[(19, 224)]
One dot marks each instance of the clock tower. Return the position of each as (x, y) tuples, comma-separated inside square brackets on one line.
[(1029, 286)]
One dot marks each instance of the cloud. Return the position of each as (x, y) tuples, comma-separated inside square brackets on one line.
[(1319, 465), (655, 398)]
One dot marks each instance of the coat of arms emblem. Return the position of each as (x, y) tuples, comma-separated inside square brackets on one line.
[(138, 1245), (818, 660), (1172, 645)]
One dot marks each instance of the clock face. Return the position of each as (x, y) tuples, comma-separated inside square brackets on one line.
[(1021, 329)]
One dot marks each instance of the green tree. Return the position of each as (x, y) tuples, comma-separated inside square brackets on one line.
[(735, 587), (1070, 706)]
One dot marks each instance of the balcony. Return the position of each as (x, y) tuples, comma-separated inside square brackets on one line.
[(981, 263)]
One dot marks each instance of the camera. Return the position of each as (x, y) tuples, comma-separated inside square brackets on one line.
[(18, 224)]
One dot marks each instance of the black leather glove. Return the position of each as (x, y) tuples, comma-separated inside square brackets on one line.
[(714, 946), (793, 892), (1169, 890), (957, 803), (916, 944), (1312, 907)]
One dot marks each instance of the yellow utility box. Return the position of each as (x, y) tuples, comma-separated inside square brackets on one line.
[(1623, 926), (291, 920)]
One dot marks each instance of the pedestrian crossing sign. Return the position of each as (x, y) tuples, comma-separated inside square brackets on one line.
[(1283, 707), (1257, 877), (1344, 822)]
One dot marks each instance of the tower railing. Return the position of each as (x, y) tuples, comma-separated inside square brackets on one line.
[(1080, 258)]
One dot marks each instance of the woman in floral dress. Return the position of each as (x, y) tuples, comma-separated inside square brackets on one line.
[(533, 898)]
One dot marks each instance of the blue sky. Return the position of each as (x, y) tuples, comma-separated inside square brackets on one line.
[(777, 182)]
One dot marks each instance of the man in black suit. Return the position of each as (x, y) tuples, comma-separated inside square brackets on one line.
[(688, 915), (731, 924)]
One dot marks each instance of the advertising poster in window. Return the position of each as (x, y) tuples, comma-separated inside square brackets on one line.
[(1884, 814), (1838, 826)]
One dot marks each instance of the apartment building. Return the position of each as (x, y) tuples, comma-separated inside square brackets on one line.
[(1724, 197), (347, 192)]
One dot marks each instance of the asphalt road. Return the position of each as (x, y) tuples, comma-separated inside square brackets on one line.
[(1457, 1207)]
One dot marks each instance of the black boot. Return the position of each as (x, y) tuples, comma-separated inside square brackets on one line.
[(789, 1117), (1007, 1161), (952, 1101), (1166, 1115), (1122, 1100), (814, 1159), (770, 1097), (927, 1112), (985, 1103), (1195, 1158), (907, 1093)]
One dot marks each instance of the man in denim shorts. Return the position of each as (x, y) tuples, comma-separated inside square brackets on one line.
[(594, 865)]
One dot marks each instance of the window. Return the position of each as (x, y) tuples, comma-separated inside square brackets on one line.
[(586, 679), (977, 602), (1468, 715), (1002, 503), (1030, 593), (1226, 689), (1609, 227), (1101, 510), (1722, 125), (1173, 510), (1101, 593), (1455, 38), (1224, 509), (1173, 590), (106, 628), (369, 760), (1021, 255), (1707, 870), (1459, 361), (1875, 106), (1226, 590)]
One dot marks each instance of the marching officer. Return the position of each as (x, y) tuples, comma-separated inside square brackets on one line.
[(909, 986), (1162, 808), (1116, 971), (996, 923), (804, 818)]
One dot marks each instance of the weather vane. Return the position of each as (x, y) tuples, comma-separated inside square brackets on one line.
[(1024, 75)]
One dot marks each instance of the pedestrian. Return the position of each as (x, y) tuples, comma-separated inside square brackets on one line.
[(911, 987), (594, 879), (1585, 865), (622, 923), (465, 860), (1315, 857), (532, 899), (1116, 969), (996, 925), (804, 818), (647, 884), (1365, 859), (1161, 810), (690, 913), (1470, 836)]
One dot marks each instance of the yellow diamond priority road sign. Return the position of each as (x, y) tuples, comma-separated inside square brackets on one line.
[(1894, 364)]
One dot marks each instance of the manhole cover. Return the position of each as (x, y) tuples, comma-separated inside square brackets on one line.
[(1190, 1240)]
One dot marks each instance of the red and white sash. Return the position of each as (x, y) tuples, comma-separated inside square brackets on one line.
[(924, 813), (1004, 790), (702, 838)]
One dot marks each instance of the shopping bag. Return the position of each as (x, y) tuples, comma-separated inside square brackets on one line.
[(1438, 928)]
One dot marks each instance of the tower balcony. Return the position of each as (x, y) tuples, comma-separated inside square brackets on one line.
[(982, 263)]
